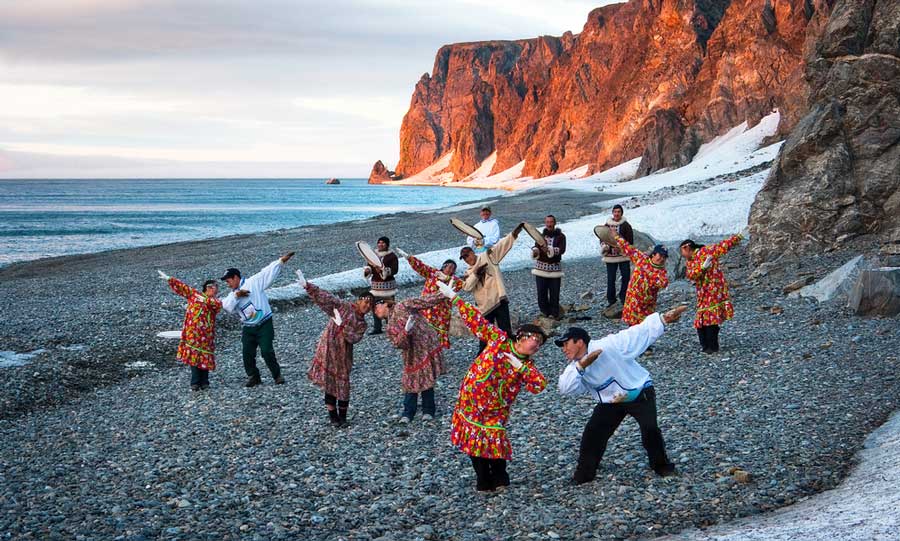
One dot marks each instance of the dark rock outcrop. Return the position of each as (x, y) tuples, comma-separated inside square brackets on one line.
[(647, 78), (837, 176), (668, 144), (876, 293)]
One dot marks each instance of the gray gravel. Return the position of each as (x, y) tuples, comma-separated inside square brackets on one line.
[(789, 400)]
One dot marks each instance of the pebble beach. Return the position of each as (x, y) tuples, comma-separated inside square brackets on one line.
[(101, 438)]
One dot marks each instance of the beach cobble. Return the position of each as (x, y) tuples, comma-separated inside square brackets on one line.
[(788, 401)]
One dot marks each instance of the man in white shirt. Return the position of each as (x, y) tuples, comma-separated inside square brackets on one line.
[(490, 231), (606, 370), (248, 299)]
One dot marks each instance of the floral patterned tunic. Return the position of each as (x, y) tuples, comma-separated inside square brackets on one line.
[(420, 347), (713, 303), (333, 359), (478, 426), (646, 281), (198, 334), (439, 315)]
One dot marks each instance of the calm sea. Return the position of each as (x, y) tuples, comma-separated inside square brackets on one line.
[(43, 218)]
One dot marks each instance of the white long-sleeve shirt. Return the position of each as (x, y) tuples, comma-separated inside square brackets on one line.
[(254, 309), (615, 376), (490, 231)]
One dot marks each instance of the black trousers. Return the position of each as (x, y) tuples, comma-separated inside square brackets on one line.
[(199, 376), (604, 422), (709, 338), (611, 268), (490, 473), (410, 401), (499, 316), (548, 295), (260, 336)]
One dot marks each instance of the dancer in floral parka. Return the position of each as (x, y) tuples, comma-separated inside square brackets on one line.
[(502, 369), (648, 278), (333, 360), (713, 302), (420, 347), (439, 315), (198, 333)]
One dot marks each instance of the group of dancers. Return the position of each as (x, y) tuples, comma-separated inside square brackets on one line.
[(606, 369)]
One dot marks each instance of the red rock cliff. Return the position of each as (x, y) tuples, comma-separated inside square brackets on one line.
[(649, 78)]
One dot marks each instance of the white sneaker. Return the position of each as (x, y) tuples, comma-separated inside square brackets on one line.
[(404, 420), (427, 417)]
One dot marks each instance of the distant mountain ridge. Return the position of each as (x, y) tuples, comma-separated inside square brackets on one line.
[(647, 78)]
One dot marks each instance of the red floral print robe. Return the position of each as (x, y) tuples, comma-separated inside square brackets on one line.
[(198, 333), (437, 316), (333, 360), (646, 281), (713, 302), (420, 347), (478, 426)]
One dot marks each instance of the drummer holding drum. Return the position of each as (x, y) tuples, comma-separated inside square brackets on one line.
[(383, 285), (549, 247), (483, 277)]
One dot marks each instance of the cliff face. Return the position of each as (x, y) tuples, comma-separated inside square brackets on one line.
[(472, 99), (649, 78), (837, 176)]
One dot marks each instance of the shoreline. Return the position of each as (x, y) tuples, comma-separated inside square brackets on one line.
[(476, 198)]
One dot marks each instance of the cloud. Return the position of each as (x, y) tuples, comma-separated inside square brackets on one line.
[(27, 165), (385, 109), (48, 101), (201, 80), (127, 30)]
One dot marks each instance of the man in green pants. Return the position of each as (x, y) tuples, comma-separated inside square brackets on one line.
[(248, 299)]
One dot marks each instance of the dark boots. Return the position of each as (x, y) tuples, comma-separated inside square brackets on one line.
[(337, 410)]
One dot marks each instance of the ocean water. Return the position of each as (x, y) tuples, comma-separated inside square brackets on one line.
[(44, 218)]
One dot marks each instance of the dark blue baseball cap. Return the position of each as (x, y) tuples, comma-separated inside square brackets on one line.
[(661, 250)]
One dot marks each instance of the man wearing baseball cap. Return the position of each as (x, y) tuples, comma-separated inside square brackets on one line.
[(248, 299), (485, 281), (606, 370)]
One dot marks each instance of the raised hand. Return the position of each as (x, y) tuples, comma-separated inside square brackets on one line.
[(707, 263), (589, 359), (286, 257), (301, 280), (410, 323), (337, 318), (674, 314), (446, 290), (513, 360), (163, 275)]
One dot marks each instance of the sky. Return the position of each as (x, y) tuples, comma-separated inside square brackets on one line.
[(228, 88)]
